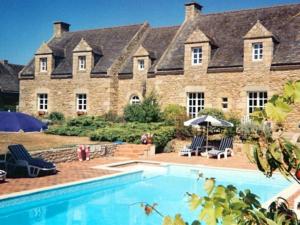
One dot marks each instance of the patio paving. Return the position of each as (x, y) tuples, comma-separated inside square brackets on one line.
[(76, 171)]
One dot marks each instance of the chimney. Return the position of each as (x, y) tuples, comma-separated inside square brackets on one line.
[(60, 28), (192, 9), (4, 61)]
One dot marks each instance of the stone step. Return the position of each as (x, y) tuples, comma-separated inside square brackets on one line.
[(131, 150)]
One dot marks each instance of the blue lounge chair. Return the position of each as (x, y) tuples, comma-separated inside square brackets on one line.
[(224, 149), (21, 157), (195, 146)]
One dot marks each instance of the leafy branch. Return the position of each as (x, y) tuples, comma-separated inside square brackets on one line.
[(276, 152), (228, 206)]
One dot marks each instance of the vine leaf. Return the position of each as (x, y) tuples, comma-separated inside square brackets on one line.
[(176, 221), (209, 185), (194, 201)]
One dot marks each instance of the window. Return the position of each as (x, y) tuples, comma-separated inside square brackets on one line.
[(141, 64), (135, 100), (81, 62), (43, 64), (81, 102), (225, 103), (196, 56), (195, 103), (43, 102), (257, 51), (257, 100)]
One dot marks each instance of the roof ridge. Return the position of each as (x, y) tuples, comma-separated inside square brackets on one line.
[(9, 63), (106, 28), (164, 27), (250, 9)]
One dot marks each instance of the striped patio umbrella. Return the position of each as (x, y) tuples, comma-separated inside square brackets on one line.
[(207, 120)]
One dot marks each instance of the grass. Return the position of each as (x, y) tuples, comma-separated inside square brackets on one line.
[(37, 141)]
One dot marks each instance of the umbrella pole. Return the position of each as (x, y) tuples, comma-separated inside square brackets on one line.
[(206, 137)]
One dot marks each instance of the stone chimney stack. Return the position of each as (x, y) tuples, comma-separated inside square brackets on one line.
[(60, 28), (192, 9), (4, 61)]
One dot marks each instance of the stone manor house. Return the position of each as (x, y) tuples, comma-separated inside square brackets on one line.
[(233, 61)]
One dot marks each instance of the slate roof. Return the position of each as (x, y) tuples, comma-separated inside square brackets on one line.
[(111, 42), (9, 81), (166, 44), (228, 29), (155, 42)]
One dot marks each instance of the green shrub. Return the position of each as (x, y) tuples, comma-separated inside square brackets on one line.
[(176, 115), (212, 112), (56, 117), (231, 131), (112, 117), (251, 131), (173, 113), (146, 112), (80, 126), (132, 132), (162, 136), (134, 113)]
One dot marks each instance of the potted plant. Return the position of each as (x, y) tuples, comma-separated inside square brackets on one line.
[(80, 113), (41, 113)]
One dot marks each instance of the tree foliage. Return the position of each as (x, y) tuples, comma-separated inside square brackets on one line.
[(146, 112)]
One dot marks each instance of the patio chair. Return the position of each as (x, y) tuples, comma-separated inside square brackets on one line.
[(195, 146), (224, 149), (21, 157)]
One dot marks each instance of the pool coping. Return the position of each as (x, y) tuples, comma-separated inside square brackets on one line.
[(285, 193)]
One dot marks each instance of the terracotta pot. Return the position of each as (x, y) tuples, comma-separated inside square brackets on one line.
[(80, 113), (149, 140), (41, 113)]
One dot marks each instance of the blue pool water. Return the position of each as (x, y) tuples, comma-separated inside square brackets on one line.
[(112, 201)]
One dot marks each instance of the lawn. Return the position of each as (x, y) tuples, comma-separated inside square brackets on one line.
[(37, 141)]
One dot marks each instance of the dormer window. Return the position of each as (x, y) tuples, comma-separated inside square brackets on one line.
[(196, 56), (82, 63), (141, 64), (43, 64), (257, 51)]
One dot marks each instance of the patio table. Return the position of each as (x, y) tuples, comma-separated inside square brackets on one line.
[(207, 147)]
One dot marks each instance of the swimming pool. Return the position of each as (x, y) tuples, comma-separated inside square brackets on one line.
[(115, 200)]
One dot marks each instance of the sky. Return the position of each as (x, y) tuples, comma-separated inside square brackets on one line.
[(25, 24)]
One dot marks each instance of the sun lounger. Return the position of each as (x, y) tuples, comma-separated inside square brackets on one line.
[(225, 149), (2, 176), (195, 146), (21, 157)]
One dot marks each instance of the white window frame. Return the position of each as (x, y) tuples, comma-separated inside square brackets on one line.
[(256, 100), (43, 64), (225, 103), (141, 64), (82, 62), (81, 102), (135, 100), (197, 54), (42, 99), (195, 103), (257, 51)]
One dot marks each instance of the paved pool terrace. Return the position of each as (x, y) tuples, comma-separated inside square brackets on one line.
[(78, 171)]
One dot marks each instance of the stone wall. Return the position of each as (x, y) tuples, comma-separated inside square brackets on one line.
[(70, 154), (62, 94), (173, 89)]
